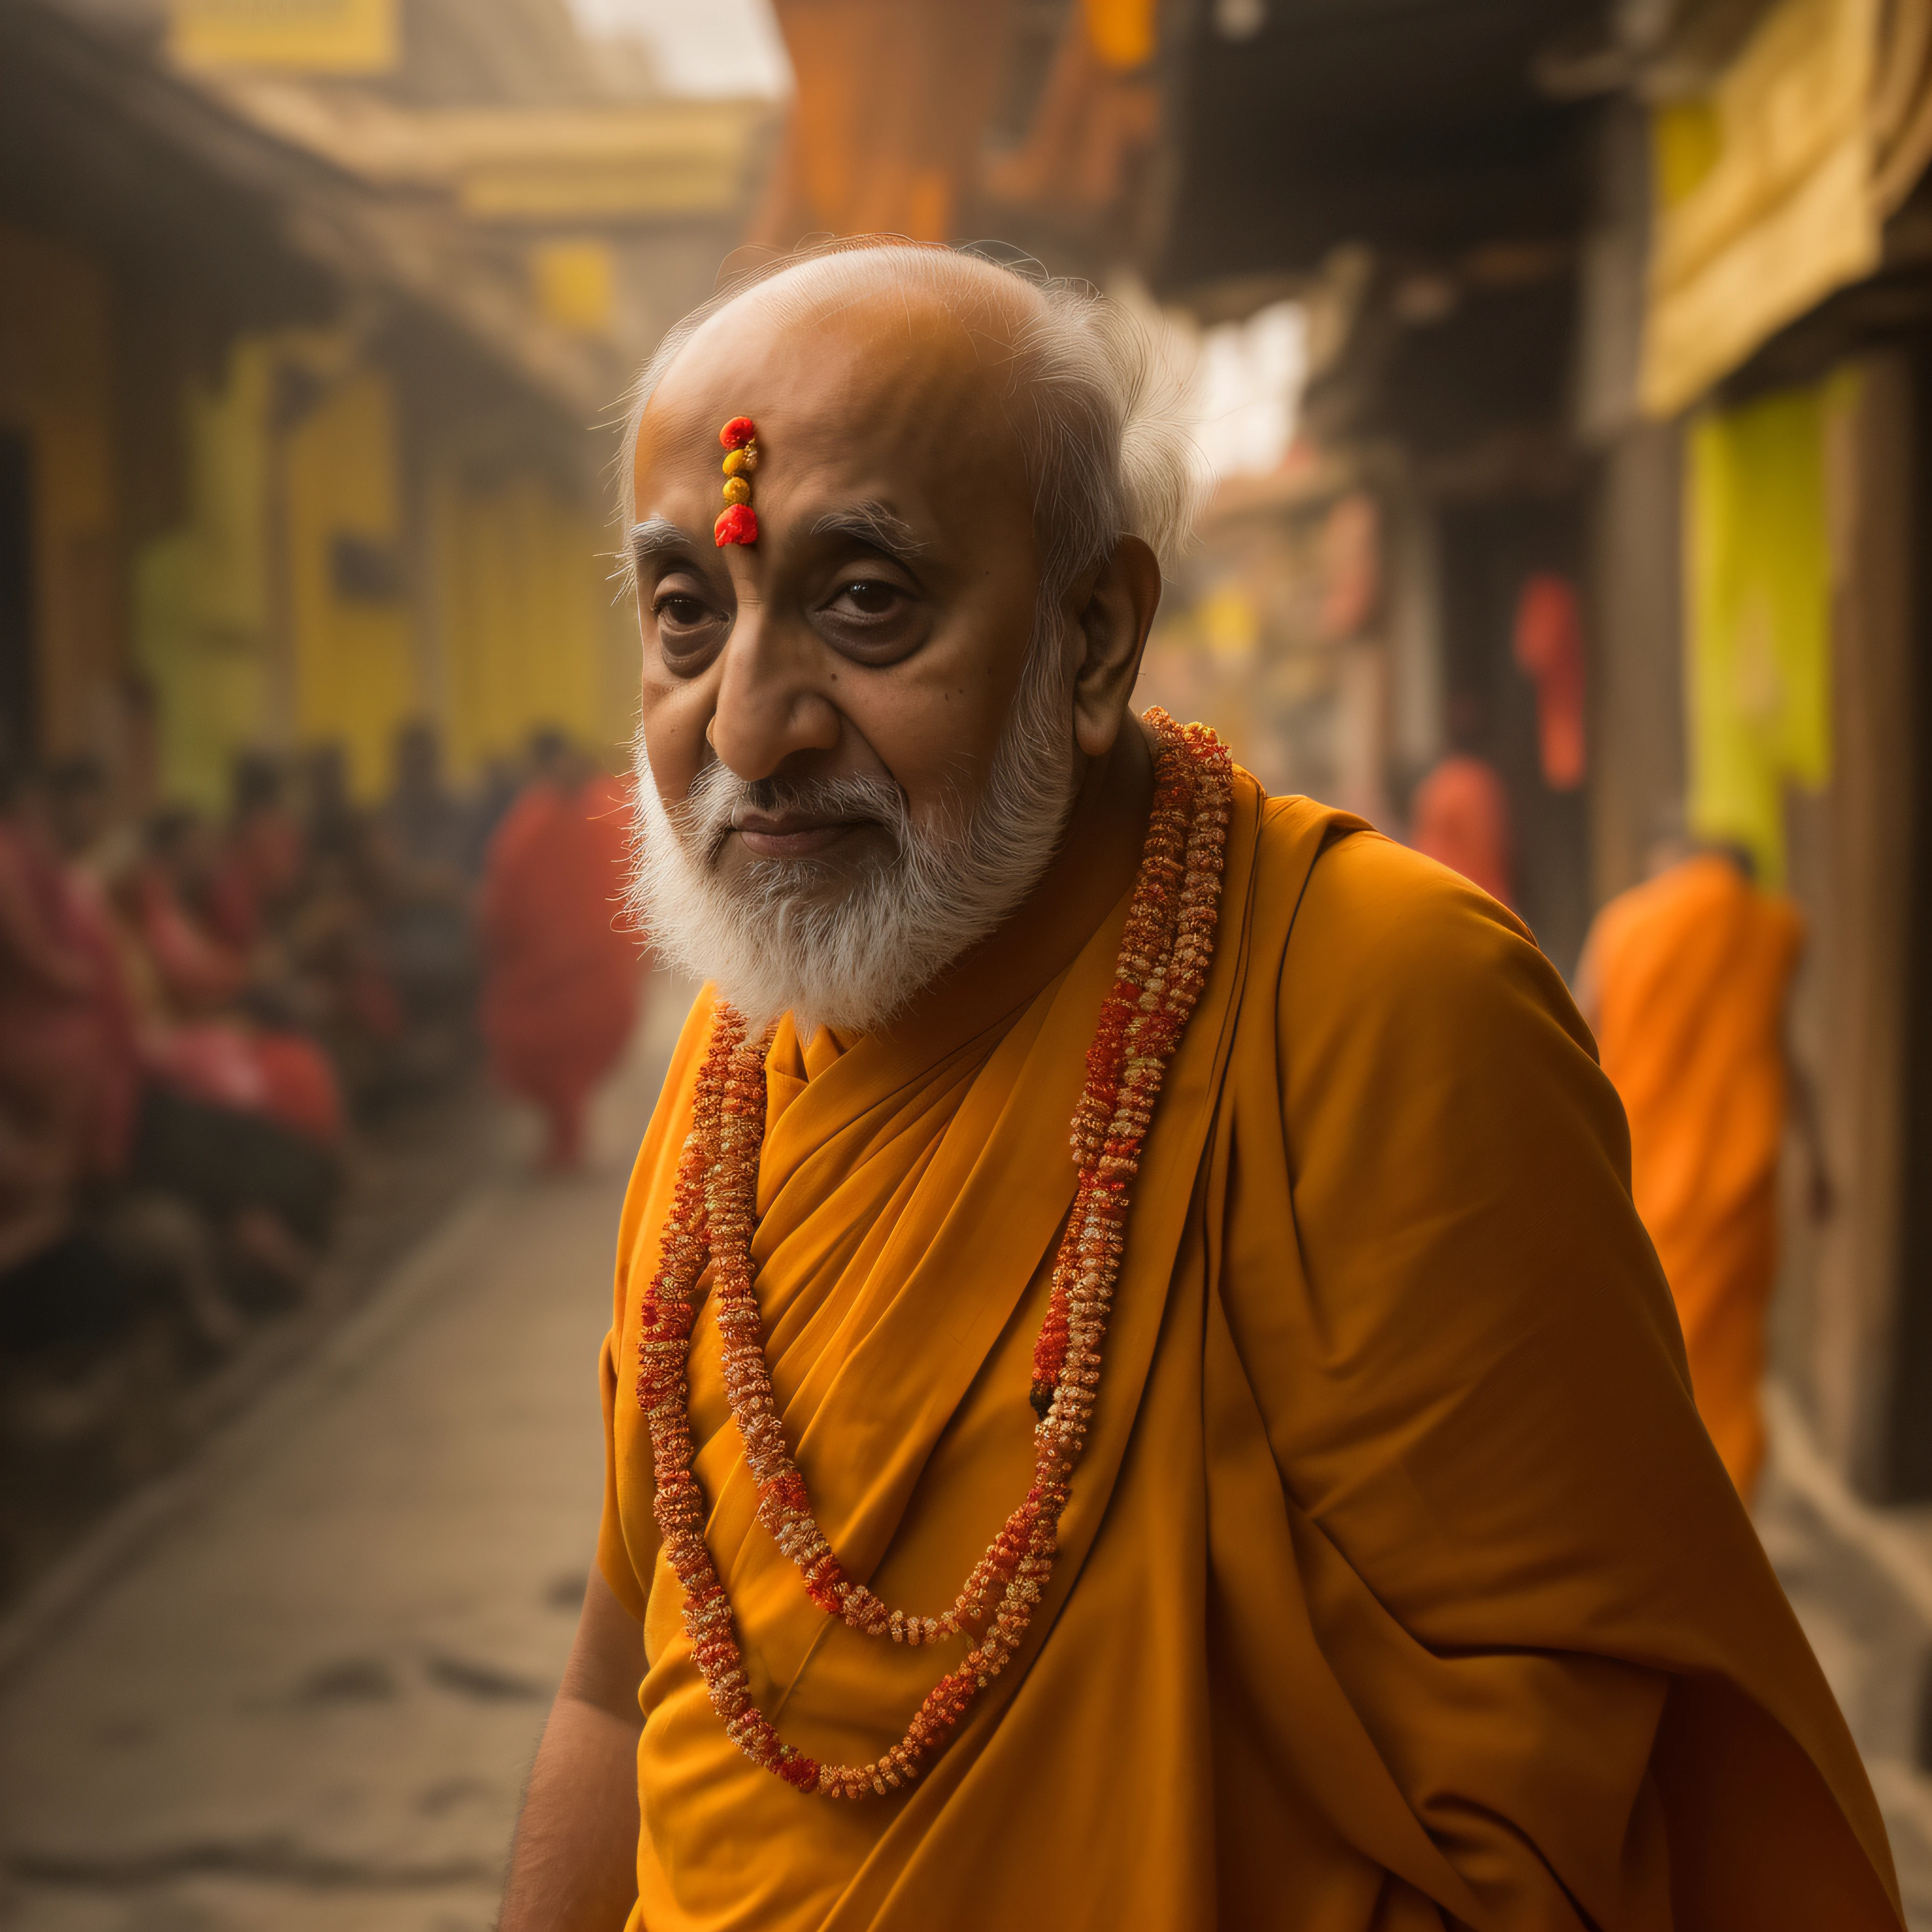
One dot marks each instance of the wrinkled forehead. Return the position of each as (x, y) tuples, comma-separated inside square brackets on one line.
[(882, 378)]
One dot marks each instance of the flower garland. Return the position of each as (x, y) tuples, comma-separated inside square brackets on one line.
[(1162, 966)]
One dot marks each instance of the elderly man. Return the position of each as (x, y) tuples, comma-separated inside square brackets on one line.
[(1284, 1505)]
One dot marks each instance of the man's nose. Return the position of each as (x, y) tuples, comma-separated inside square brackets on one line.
[(771, 703)]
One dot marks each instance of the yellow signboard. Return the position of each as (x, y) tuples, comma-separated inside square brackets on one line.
[(302, 36), (573, 284), (1765, 194)]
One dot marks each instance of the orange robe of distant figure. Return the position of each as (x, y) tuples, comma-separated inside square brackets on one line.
[(561, 994), (1692, 970), (1461, 818), (1399, 1586)]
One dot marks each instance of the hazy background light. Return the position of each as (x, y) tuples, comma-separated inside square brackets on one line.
[(715, 48), (1247, 384)]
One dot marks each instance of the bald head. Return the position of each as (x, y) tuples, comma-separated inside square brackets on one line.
[(870, 398), (1074, 379)]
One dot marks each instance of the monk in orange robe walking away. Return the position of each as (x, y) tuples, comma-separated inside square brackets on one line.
[(1684, 979), (560, 994), (1136, 1394)]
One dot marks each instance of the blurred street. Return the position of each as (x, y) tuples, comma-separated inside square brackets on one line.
[(1861, 1581), (310, 1699)]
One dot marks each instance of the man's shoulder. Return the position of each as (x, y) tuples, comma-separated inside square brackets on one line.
[(1363, 897), (1379, 935)]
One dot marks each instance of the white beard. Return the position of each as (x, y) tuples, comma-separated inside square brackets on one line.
[(773, 941)]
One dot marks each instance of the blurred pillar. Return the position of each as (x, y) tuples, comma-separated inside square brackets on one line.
[(1637, 667), (893, 99), (1855, 1335)]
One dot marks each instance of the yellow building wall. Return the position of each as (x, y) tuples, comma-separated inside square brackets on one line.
[(355, 654), (254, 633), (57, 388), (202, 596), (1759, 589), (307, 36), (527, 630)]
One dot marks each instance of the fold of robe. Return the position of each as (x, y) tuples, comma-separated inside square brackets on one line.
[(1693, 967), (1399, 1586)]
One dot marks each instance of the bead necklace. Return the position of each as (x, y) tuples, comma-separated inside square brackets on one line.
[(1162, 966)]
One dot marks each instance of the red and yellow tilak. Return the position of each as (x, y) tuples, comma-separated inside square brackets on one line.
[(738, 522)]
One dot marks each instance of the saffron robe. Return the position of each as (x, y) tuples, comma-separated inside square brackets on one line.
[(1399, 1586), (1692, 968)]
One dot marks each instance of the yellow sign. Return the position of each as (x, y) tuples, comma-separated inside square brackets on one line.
[(1758, 593), (573, 283), (1765, 196), (302, 36)]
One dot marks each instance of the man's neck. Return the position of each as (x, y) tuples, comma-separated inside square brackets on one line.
[(1095, 865)]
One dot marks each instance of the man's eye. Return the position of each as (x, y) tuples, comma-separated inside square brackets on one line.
[(868, 597), (681, 613)]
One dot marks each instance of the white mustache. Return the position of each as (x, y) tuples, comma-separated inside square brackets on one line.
[(720, 801)]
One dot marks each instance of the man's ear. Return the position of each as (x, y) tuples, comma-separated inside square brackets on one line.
[(1114, 625)]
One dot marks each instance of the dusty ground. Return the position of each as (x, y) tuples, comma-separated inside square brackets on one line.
[(304, 1693)]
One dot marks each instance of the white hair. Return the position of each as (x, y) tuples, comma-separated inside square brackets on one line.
[(1100, 415)]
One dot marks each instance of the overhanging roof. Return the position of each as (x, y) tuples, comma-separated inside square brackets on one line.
[(1413, 126)]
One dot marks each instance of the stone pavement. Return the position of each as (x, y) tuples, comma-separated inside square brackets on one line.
[(1860, 1579), (309, 1699)]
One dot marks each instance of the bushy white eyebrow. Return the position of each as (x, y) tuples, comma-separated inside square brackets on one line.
[(873, 524), (654, 535)]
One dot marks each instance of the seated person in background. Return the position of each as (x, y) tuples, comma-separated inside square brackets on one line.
[(200, 971), (327, 815), (562, 971), (243, 1117), (260, 862), (331, 945), (64, 1033), (415, 852), (430, 826), (80, 1255)]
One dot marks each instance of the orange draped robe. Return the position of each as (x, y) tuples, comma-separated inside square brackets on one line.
[(1692, 969), (1400, 1586), (560, 996)]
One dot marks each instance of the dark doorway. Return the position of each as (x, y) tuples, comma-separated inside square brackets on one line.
[(1489, 549), (17, 681)]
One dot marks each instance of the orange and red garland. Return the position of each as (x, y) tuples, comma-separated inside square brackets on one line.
[(1161, 968)]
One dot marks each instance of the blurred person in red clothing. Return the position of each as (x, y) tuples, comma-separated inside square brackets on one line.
[(84, 1256), (242, 1114), (561, 973), (63, 1076), (254, 874), (1460, 814)]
